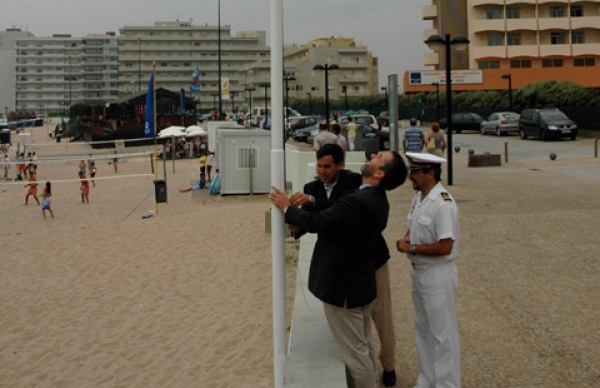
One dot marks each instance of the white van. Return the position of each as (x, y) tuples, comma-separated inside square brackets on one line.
[(261, 112)]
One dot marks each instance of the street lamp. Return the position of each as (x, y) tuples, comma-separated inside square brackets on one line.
[(509, 78), (214, 96), (232, 101), (384, 88), (250, 90), (326, 69), (345, 90), (139, 63), (287, 78), (309, 103), (266, 86), (219, 56), (435, 43), (437, 90)]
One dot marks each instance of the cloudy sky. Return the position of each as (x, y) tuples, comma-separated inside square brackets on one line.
[(392, 29)]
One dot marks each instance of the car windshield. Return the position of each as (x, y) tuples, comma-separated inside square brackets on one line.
[(476, 116), (510, 116), (553, 115)]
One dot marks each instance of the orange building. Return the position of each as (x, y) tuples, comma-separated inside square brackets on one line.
[(532, 40)]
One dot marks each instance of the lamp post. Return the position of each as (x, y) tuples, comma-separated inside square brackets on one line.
[(384, 88), (435, 43), (219, 56), (232, 93), (437, 90), (326, 69), (250, 90), (266, 86), (509, 78), (214, 96), (139, 63), (345, 90), (309, 103), (287, 78)]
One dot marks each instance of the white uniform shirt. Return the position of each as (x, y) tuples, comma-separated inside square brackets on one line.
[(431, 220)]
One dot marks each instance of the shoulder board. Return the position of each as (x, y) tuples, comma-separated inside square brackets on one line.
[(446, 197)]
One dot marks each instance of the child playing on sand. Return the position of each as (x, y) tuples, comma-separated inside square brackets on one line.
[(84, 188), (93, 172), (46, 194), (32, 189)]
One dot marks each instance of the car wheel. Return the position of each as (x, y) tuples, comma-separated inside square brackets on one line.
[(522, 134), (386, 145), (482, 130), (498, 131), (543, 136)]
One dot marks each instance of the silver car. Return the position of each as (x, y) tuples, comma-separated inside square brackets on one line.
[(501, 123)]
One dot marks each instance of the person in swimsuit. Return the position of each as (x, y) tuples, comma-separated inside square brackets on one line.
[(32, 189), (46, 194)]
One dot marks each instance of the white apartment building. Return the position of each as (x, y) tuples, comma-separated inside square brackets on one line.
[(53, 73), (357, 74), (8, 40), (177, 48)]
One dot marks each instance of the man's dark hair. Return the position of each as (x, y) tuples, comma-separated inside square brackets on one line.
[(350, 118), (335, 128), (322, 125), (413, 121), (395, 173), (336, 152)]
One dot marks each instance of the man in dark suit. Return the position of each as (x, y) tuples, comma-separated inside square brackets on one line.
[(342, 274), (335, 182)]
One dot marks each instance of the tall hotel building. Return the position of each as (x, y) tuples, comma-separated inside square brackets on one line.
[(533, 40)]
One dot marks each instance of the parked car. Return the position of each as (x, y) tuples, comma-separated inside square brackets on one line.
[(501, 123), (302, 134), (463, 122), (361, 119), (546, 123), (367, 131)]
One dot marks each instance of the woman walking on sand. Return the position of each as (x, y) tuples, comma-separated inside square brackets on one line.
[(32, 189), (84, 188), (46, 194)]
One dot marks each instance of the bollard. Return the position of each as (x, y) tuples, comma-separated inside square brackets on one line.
[(505, 152)]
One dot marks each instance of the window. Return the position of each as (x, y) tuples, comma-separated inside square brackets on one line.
[(520, 64), (513, 13), (557, 38), (489, 64), (552, 63), (493, 13), (513, 39), (587, 62), (576, 11), (557, 11), (577, 37), (374, 62), (495, 39)]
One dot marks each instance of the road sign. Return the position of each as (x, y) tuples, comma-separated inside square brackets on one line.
[(427, 77)]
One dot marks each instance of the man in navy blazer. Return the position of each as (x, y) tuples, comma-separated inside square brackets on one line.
[(342, 273)]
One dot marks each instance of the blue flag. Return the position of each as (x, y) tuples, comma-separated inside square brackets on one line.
[(149, 128)]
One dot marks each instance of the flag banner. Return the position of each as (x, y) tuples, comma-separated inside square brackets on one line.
[(182, 101), (149, 128), (225, 88)]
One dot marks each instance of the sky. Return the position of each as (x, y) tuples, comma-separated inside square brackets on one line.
[(391, 29)]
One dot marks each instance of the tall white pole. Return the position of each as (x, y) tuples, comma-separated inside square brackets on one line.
[(277, 179)]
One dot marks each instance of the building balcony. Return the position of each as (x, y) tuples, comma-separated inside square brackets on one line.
[(488, 25), (547, 50), (553, 24), (551, 1), (516, 2), (586, 49), (430, 12), (489, 2), (480, 52), (522, 51), (428, 33), (353, 80), (585, 22), (521, 24), (431, 59)]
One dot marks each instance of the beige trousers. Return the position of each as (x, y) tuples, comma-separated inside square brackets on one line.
[(381, 312)]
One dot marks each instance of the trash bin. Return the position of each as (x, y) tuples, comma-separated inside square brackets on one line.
[(160, 191)]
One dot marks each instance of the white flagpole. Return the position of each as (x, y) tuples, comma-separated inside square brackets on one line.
[(277, 179)]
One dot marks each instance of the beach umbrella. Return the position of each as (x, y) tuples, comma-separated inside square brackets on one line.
[(194, 130), (173, 130)]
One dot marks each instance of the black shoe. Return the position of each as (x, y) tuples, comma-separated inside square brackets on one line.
[(389, 378)]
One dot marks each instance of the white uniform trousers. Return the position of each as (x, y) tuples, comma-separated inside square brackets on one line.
[(351, 330), (434, 292)]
